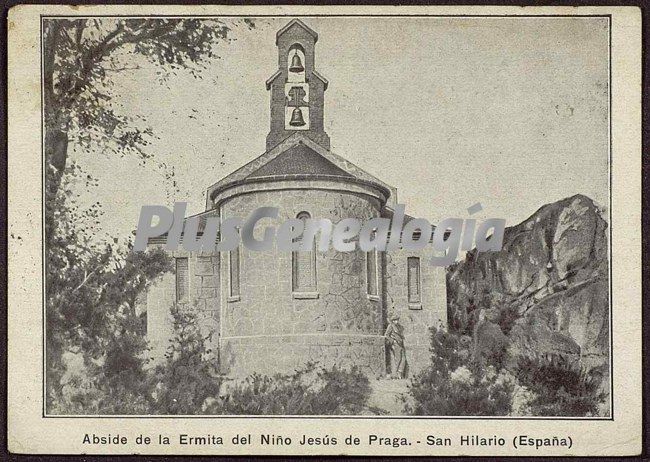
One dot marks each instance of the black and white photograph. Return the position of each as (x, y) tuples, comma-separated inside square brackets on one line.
[(384, 218)]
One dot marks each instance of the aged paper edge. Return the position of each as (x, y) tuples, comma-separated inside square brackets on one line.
[(30, 432)]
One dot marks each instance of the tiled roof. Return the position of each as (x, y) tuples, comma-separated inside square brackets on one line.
[(313, 159), (299, 160)]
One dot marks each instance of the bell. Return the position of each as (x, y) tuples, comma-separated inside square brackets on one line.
[(296, 64), (296, 118)]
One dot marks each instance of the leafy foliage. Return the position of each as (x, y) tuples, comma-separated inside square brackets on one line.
[(95, 352), (92, 293), (456, 384), (308, 391), (460, 382), (82, 55), (189, 374), (508, 316), (188, 383), (560, 386)]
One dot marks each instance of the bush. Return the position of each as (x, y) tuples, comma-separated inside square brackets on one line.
[(188, 382), (189, 374), (508, 316), (459, 383), (115, 384), (560, 387), (308, 391), (456, 384)]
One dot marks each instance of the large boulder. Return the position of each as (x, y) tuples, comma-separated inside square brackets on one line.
[(545, 293)]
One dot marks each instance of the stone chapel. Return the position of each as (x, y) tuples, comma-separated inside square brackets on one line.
[(270, 311)]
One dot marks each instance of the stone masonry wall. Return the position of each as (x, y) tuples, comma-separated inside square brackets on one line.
[(203, 298), (416, 318), (270, 329)]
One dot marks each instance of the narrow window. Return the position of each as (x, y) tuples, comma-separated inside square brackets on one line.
[(303, 265), (371, 272), (182, 280), (233, 265), (413, 264)]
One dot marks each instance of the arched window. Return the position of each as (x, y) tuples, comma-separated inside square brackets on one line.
[(303, 266)]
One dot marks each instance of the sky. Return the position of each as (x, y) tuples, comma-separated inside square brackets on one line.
[(508, 112)]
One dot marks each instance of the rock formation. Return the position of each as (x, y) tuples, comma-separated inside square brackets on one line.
[(545, 293)]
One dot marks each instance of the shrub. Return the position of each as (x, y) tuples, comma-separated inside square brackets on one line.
[(115, 384), (456, 384), (188, 382), (189, 374), (508, 316), (308, 391), (560, 386)]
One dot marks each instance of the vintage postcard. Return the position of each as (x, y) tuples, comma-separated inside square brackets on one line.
[(324, 230)]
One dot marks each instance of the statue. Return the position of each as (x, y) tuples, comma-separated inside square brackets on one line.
[(395, 339)]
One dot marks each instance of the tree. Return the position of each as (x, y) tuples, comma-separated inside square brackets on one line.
[(189, 375), (92, 294), (81, 55), (92, 289)]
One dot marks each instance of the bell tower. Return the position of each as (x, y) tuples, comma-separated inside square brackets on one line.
[(297, 90)]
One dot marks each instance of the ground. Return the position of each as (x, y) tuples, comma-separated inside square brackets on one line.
[(386, 395)]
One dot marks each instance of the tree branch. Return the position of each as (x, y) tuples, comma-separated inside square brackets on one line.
[(86, 278)]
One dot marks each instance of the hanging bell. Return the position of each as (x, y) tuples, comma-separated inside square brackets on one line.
[(296, 118), (296, 64)]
